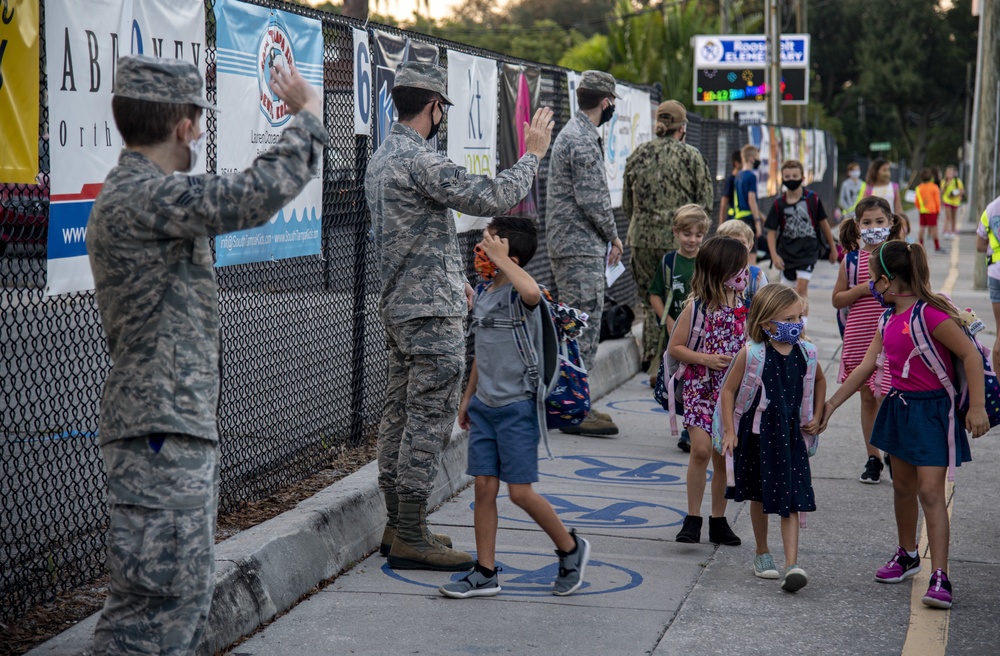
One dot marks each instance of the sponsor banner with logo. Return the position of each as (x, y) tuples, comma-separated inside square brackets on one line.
[(769, 144), (630, 126), (19, 91), (252, 118), (362, 84), (390, 52), (472, 122), (520, 98), (83, 43)]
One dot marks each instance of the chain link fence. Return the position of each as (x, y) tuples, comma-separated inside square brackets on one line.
[(303, 354)]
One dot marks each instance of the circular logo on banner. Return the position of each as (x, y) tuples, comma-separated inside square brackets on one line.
[(275, 48), (528, 574)]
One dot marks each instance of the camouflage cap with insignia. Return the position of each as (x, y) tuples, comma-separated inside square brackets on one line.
[(160, 80), (598, 81), (421, 75), (671, 114)]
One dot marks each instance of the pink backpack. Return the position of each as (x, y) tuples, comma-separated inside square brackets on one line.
[(674, 369)]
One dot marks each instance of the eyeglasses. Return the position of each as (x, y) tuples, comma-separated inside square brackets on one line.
[(441, 105)]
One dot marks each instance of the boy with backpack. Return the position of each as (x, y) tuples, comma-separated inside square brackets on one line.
[(671, 284), (500, 412), (798, 232)]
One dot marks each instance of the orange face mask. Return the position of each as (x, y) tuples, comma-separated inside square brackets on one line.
[(483, 264)]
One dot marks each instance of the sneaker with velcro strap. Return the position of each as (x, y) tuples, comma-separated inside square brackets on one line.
[(899, 568)]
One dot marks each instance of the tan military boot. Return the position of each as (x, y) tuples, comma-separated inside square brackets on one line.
[(415, 547), (389, 534), (596, 423)]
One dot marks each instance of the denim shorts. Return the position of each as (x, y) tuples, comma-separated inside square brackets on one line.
[(503, 442), (994, 286)]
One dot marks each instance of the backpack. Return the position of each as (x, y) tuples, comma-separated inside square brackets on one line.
[(958, 389), (559, 375), (672, 371), (812, 206), (616, 320), (851, 268)]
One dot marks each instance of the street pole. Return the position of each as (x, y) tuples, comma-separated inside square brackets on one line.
[(724, 8), (800, 27), (772, 21), (984, 183)]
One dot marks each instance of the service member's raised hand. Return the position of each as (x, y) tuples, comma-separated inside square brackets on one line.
[(291, 87), (538, 134)]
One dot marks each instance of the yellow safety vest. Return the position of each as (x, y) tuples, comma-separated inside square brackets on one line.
[(861, 194), (994, 242), (737, 212), (921, 206), (946, 193)]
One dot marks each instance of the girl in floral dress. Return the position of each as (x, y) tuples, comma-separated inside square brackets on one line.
[(717, 316)]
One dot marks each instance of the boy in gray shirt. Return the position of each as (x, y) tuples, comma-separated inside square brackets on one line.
[(498, 409)]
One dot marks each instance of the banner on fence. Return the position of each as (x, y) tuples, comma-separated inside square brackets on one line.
[(572, 83), (19, 91), (82, 49), (472, 122), (390, 52), (362, 84), (631, 125), (520, 98), (252, 118)]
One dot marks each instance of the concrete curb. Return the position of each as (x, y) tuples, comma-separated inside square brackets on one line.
[(262, 571)]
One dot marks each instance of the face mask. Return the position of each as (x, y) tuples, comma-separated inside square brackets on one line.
[(435, 126), (854, 174), (756, 164), (788, 332), (738, 283), (877, 295), (484, 265), (875, 236), (606, 114), (792, 185), (194, 150)]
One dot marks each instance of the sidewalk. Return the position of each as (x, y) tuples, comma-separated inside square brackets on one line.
[(645, 593)]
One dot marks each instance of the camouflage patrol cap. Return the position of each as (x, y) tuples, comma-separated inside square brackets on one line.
[(421, 75), (598, 81), (160, 80), (671, 114)]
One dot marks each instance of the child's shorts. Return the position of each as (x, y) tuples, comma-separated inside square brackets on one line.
[(913, 426), (503, 442), (789, 276), (993, 285), (928, 220)]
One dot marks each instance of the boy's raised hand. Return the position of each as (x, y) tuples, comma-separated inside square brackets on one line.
[(496, 248)]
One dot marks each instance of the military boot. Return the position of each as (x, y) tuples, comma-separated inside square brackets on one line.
[(415, 547), (389, 534), (596, 423)]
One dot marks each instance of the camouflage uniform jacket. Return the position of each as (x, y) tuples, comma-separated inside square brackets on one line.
[(409, 188), (148, 241), (660, 176), (579, 220)]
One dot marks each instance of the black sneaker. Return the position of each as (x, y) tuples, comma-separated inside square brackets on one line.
[(684, 444), (873, 471)]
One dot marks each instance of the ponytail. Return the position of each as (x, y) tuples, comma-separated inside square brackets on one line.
[(908, 262), (850, 235)]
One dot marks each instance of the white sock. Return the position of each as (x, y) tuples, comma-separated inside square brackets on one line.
[(912, 554)]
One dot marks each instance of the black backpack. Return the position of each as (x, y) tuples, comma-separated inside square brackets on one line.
[(616, 321)]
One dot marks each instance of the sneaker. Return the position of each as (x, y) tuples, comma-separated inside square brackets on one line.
[(684, 444), (873, 471), (764, 568), (473, 584), (571, 567), (795, 579), (899, 568), (939, 593), (940, 251)]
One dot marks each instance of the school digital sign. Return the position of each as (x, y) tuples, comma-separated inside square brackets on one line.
[(719, 85)]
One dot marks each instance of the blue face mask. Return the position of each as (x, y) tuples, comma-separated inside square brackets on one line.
[(877, 295), (788, 332)]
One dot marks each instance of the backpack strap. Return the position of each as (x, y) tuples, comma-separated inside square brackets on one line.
[(851, 261), (693, 342), (531, 358), (809, 393), (756, 352), (881, 364), (755, 272), (667, 271)]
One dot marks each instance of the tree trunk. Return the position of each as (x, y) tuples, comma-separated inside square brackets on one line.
[(356, 9)]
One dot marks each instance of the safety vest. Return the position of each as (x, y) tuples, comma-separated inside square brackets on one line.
[(861, 194), (921, 205), (738, 212), (994, 256), (947, 196)]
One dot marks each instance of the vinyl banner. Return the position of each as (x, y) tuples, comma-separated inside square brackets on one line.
[(572, 82), (520, 98), (19, 91), (472, 122), (252, 118), (390, 52), (362, 84), (83, 43)]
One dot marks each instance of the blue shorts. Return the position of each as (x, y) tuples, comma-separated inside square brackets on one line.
[(994, 286), (513, 458), (913, 426)]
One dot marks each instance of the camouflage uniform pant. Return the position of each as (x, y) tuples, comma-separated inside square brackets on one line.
[(161, 545), (644, 263), (426, 361), (580, 282)]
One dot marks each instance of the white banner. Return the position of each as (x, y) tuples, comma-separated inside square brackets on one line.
[(573, 82), (362, 83), (472, 133), (631, 126), (252, 118), (83, 43)]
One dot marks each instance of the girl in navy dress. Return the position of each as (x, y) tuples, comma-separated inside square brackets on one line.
[(784, 401)]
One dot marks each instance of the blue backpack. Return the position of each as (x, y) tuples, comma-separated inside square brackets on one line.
[(851, 268)]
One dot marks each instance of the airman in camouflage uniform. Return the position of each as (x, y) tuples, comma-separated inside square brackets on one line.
[(148, 240), (579, 221), (410, 188), (660, 176)]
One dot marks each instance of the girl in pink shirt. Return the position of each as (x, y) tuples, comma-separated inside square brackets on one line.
[(912, 423)]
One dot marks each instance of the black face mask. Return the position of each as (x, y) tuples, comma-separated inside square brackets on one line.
[(606, 114), (756, 164), (792, 185), (435, 126)]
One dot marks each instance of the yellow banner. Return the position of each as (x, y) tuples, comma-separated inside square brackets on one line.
[(18, 91)]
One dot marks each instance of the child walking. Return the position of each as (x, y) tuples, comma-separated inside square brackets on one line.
[(952, 191), (742, 233), (912, 424), (771, 459), (498, 409), (721, 275), (872, 226), (929, 206)]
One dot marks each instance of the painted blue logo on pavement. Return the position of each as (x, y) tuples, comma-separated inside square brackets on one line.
[(614, 469), (586, 511)]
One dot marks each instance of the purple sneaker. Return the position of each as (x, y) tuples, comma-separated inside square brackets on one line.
[(899, 568), (939, 593)]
